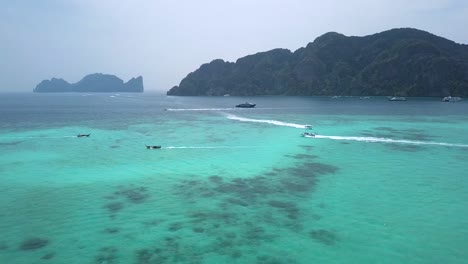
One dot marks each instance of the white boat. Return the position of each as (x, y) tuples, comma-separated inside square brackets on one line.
[(397, 98), (451, 99), (308, 134)]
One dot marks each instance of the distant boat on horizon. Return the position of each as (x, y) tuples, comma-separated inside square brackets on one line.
[(246, 105), (153, 147), (451, 99), (397, 98)]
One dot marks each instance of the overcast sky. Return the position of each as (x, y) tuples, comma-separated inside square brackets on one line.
[(165, 40)]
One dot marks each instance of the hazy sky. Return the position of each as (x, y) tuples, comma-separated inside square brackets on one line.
[(165, 40)]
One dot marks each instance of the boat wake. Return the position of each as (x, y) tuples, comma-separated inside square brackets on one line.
[(37, 137), (388, 140), (200, 109), (216, 147), (233, 109), (273, 122)]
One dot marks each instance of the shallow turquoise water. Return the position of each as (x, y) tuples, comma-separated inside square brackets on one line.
[(382, 182)]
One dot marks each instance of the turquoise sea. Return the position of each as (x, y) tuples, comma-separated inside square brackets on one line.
[(382, 182)]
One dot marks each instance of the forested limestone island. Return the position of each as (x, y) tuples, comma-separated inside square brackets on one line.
[(96, 82), (397, 62)]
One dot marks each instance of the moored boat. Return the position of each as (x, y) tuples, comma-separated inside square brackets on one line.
[(246, 105), (153, 147), (397, 98), (83, 135), (451, 99)]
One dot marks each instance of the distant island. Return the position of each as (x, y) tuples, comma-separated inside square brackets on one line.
[(96, 82), (397, 62)]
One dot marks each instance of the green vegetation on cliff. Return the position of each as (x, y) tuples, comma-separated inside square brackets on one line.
[(398, 62)]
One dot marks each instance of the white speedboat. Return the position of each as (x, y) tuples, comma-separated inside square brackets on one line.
[(451, 99), (397, 98)]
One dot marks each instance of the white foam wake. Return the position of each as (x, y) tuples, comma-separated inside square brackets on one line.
[(38, 137), (234, 109), (216, 147), (273, 122), (199, 109), (389, 140)]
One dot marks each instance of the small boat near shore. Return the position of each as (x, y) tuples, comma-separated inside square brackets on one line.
[(397, 98), (451, 99), (246, 105), (83, 135), (153, 147)]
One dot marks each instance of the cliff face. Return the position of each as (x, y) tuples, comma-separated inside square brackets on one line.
[(97, 82), (53, 85), (406, 62), (134, 85)]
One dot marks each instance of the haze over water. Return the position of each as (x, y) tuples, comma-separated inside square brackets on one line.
[(381, 182)]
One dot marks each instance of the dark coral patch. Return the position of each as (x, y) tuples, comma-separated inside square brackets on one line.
[(236, 201), (3, 246), (216, 179), (280, 204), (410, 134), (271, 174), (302, 156), (33, 243), (246, 189), (110, 197), (112, 230), (265, 259), (154, 222), (175, 226), (114, 207), (241, 219), (320, 168), (324, 236), (170, 250), (257, 234), (216, 217), (148, 256), (236, 254), (134, 194), (289, 208), (14, 143), (193, 188), (295, 186), (198, 229), (405, 147), (230, 235), (307, 147), (106, 255), (48, 256)]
